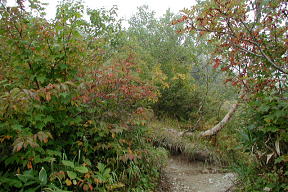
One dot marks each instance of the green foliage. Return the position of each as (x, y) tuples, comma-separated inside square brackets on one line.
[(180, 100), (70, 120), (168, 59), (265, 135)]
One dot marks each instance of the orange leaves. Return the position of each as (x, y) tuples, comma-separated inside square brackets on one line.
[(183, 18), (201, 33), (234, 83), (225, 68), (228, 80), (118, 82), (29, 165), (5, 137), (217, 63)]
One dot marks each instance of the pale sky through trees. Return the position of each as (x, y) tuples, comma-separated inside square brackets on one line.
[(126, 7)]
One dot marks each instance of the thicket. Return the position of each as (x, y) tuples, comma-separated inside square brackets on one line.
[(69, 119)]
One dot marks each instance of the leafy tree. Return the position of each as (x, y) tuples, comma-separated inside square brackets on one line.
[(168, 62), (252, 37), (251, 44)]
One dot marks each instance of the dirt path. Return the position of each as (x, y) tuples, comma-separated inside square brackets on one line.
[(183, 176)]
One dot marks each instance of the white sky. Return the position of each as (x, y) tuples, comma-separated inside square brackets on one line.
[(127, 7)]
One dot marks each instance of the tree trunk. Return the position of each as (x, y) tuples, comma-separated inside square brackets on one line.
[(214, 130)]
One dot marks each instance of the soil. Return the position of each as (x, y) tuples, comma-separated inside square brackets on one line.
[(181, 175)]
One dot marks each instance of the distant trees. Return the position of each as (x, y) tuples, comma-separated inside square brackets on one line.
[(177, 65)]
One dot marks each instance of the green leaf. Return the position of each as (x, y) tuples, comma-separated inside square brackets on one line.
[(33, 189), (43, 176), (30, 183), (101, 167), (11, 182), (71, 174), (22, 178), (17, 127), (68, 163), (81, 169), (53, 153), (41, 78)]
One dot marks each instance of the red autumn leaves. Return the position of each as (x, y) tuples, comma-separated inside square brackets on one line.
[(117, 82)]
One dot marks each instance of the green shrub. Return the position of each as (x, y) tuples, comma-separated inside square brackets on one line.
[(67, 122), (178, 100), (265, 135)]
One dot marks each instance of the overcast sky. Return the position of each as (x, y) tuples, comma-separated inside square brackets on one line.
[(127, 7)]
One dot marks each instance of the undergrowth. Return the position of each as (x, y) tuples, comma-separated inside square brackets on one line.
[(167, 133)]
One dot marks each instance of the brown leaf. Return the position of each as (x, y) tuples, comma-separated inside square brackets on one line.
[(29, 165), (85, 187), (19, 147), (131, 157), (202, 33), (224, 68)]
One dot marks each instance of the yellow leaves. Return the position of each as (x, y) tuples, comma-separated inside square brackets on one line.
[(98, 181), (79, 143), (115, 186), (166, 85), (18, 171), (68, 182), (88, 123), (180, 76), (129, 151), (159, 78)]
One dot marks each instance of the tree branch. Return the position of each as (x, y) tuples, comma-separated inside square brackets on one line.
[(272, 63), (221, 124)]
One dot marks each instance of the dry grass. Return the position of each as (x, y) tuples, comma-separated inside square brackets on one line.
[(166, 133)]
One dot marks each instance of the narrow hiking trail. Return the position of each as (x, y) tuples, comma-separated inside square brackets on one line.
[(183, 176)]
